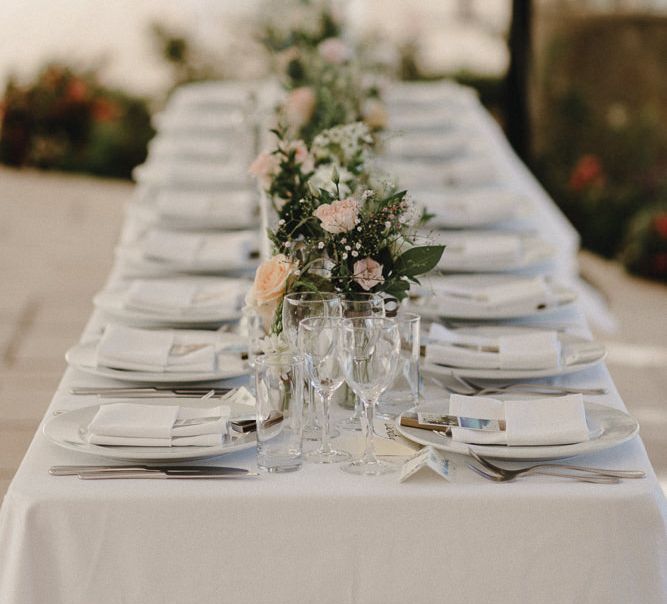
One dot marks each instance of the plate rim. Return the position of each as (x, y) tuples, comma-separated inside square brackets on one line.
[(163, 378), (100, 451), (523, 453)]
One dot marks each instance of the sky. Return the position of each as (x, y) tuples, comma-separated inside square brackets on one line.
[(115, 33)]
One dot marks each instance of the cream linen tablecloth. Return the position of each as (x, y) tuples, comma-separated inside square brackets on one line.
[(320, 535)]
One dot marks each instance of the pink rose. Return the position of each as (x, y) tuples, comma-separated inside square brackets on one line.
[(302, 156), (339, 216), (334, 51), (270, 285), (299, 106), (264, 168), (367, 273)]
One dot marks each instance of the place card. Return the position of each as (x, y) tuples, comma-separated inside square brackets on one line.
[(428, 458)]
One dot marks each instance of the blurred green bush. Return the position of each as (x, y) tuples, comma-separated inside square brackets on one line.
[(66, 120)]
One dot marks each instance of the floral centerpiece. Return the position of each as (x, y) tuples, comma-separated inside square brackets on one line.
[(339, 227), (324, 83)]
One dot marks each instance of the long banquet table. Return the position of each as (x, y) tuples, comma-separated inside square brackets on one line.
[(319, 535)]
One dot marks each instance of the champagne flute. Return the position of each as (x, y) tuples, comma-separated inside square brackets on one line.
[(319, 341), (359, 304), (370, 348), (296, 307)]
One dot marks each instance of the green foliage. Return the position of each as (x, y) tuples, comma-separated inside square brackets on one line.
[(68, 121)]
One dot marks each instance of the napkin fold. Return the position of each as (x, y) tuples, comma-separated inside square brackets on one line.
[(473, 250), (129, 424), (531, 350), (228, 249), (161, 351), (550, 421), (497, 295), (163, 296), (236, 207)]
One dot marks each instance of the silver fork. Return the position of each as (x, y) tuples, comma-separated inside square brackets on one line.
[(579, 477), (527, 387), (536, 469)]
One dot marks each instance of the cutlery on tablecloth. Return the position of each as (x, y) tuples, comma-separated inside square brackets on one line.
[(147, 391), (167, 474), (535, 468), (593, 478), (74, 470)]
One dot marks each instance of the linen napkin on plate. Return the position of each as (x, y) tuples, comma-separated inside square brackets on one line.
[(530, 350), (228, 249), (476, 249), (163, 350), (549, 421), (135, 425), (184, 297), (237, 207), (497, 295)]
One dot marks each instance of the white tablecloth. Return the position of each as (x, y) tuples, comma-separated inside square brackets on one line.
[(320, 535)]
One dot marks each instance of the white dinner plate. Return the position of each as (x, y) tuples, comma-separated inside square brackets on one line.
[(138, 262), (112, 302), (83, 357), (609, 427), (65, 431), (533, 252), (431, 303), (569, 344)]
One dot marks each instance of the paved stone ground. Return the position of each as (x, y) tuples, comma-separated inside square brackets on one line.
[(57, 235)]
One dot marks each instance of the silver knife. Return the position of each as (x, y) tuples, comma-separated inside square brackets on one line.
[(168, 474), (75, 470), (147, 391)]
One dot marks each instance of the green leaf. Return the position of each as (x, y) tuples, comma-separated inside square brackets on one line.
[(399, 289), (418, 260)]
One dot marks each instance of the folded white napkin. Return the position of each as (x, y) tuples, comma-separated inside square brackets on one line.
[(182, 297), (228, 249), (464, 249), (470, 208), (161, 351), (531, 350), (237, 207), (550, 421), (499, 294), (129, 424)]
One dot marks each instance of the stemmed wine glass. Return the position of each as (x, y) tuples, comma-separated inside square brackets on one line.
[(370, 348), (319, 342), (355, 305), (296, 307)]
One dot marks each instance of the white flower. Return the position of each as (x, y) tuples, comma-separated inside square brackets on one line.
[(323, 179), (274, 344)]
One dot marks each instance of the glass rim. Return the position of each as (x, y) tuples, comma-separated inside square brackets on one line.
[(280, 358), (316, 296), (349, 321), (314, 318)]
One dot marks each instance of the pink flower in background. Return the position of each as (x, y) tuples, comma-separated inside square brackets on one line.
[(299, 106), (587, 173), (339, 216), (302, 156), (264, 168), (334, 51), (367, 273), (660, 223), (375, 115)]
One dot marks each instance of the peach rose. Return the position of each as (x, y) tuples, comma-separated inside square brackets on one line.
[(270, 286), (299, 106), (334, 51), (264, 168), (339, 216), (367, 273)]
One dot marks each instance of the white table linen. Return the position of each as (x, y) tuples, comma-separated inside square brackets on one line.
[(322, 535)]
